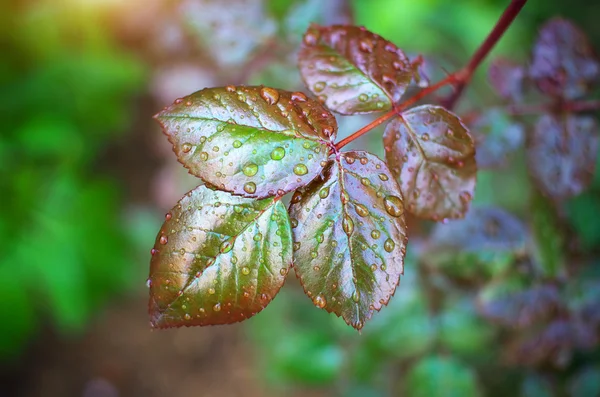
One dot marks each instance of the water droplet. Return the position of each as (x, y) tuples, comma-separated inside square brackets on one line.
[(349, 159), (257, 237), (283, 271), (314, 254), (465, 197), (250, 169), (361, 210), (270, 95), (245, 271), (320, 86), (149, 283), (237, 144), (186, 147), (163, 240), (168, 216), (300, 169), (320, 238), (311, 38), (238, 209), (278, 153), (398, 65), (226, 246), (211, 291), (294, 223), (366, 45), (347, 225), (153, 251), (389, 245), (299, 97), (297, 246), (296, 197), (365, 181), (344, 197), (187, 317), (425, 136), (322, 98), (250, 187), (383, 177), (356, 296), (373, 267), (364, 160), (390, 47), (393, 205), (203, 156), (324, 192), (449, 133), (320, 301), (230, 88), (363, 97), (217, 307), (375, 234)]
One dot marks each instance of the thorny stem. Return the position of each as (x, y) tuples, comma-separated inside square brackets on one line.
[(459, 79), (508, 16)]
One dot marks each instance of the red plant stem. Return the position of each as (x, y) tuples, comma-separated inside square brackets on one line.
[(397, 109), (465, 74), (583, 106)]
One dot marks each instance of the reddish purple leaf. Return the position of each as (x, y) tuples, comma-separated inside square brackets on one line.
[(353, 70), (432, 154), (507, 79), (496, 137), (218, 259), (563, 61), (350, 237), (250, 141), (562, 153)]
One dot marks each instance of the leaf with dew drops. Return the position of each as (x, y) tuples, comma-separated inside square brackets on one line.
[(564, 63), (507, 78), (251, 141), (218, 259), (562, 153), (350, 236), (496, 137), (430, 151), (353, 70)]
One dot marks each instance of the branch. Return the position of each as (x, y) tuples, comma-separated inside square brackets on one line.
[(396, 110), (465, 74)]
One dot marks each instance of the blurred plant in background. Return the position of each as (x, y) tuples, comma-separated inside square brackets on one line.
[(66, 91), (504, 302)]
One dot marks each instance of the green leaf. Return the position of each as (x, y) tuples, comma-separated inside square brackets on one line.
[(250, 141), (563, 61), (430, 151), (218, 259), (496, 137), (562, 154), (535, 385), (350, 237), (441, 376), (353, 70), (462, 330)]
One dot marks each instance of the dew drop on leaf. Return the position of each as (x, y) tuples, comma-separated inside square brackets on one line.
[(250, 187), (270, 95), (226, 246), (300, 169), (324, 192), (389, 245), (186, 147), (250, 169), (203, 156), (320, 86), (217, 307), (393, 206), (356, 296), (237, 144), (278, 153), (383, 177), (168, 216), (375, 234), (347, 225), (245, 271), (163, 240), (363, 97), (320, 301), (361, 210), (298, 97)]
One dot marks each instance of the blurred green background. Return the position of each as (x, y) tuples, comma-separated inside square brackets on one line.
[(86, 175)]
